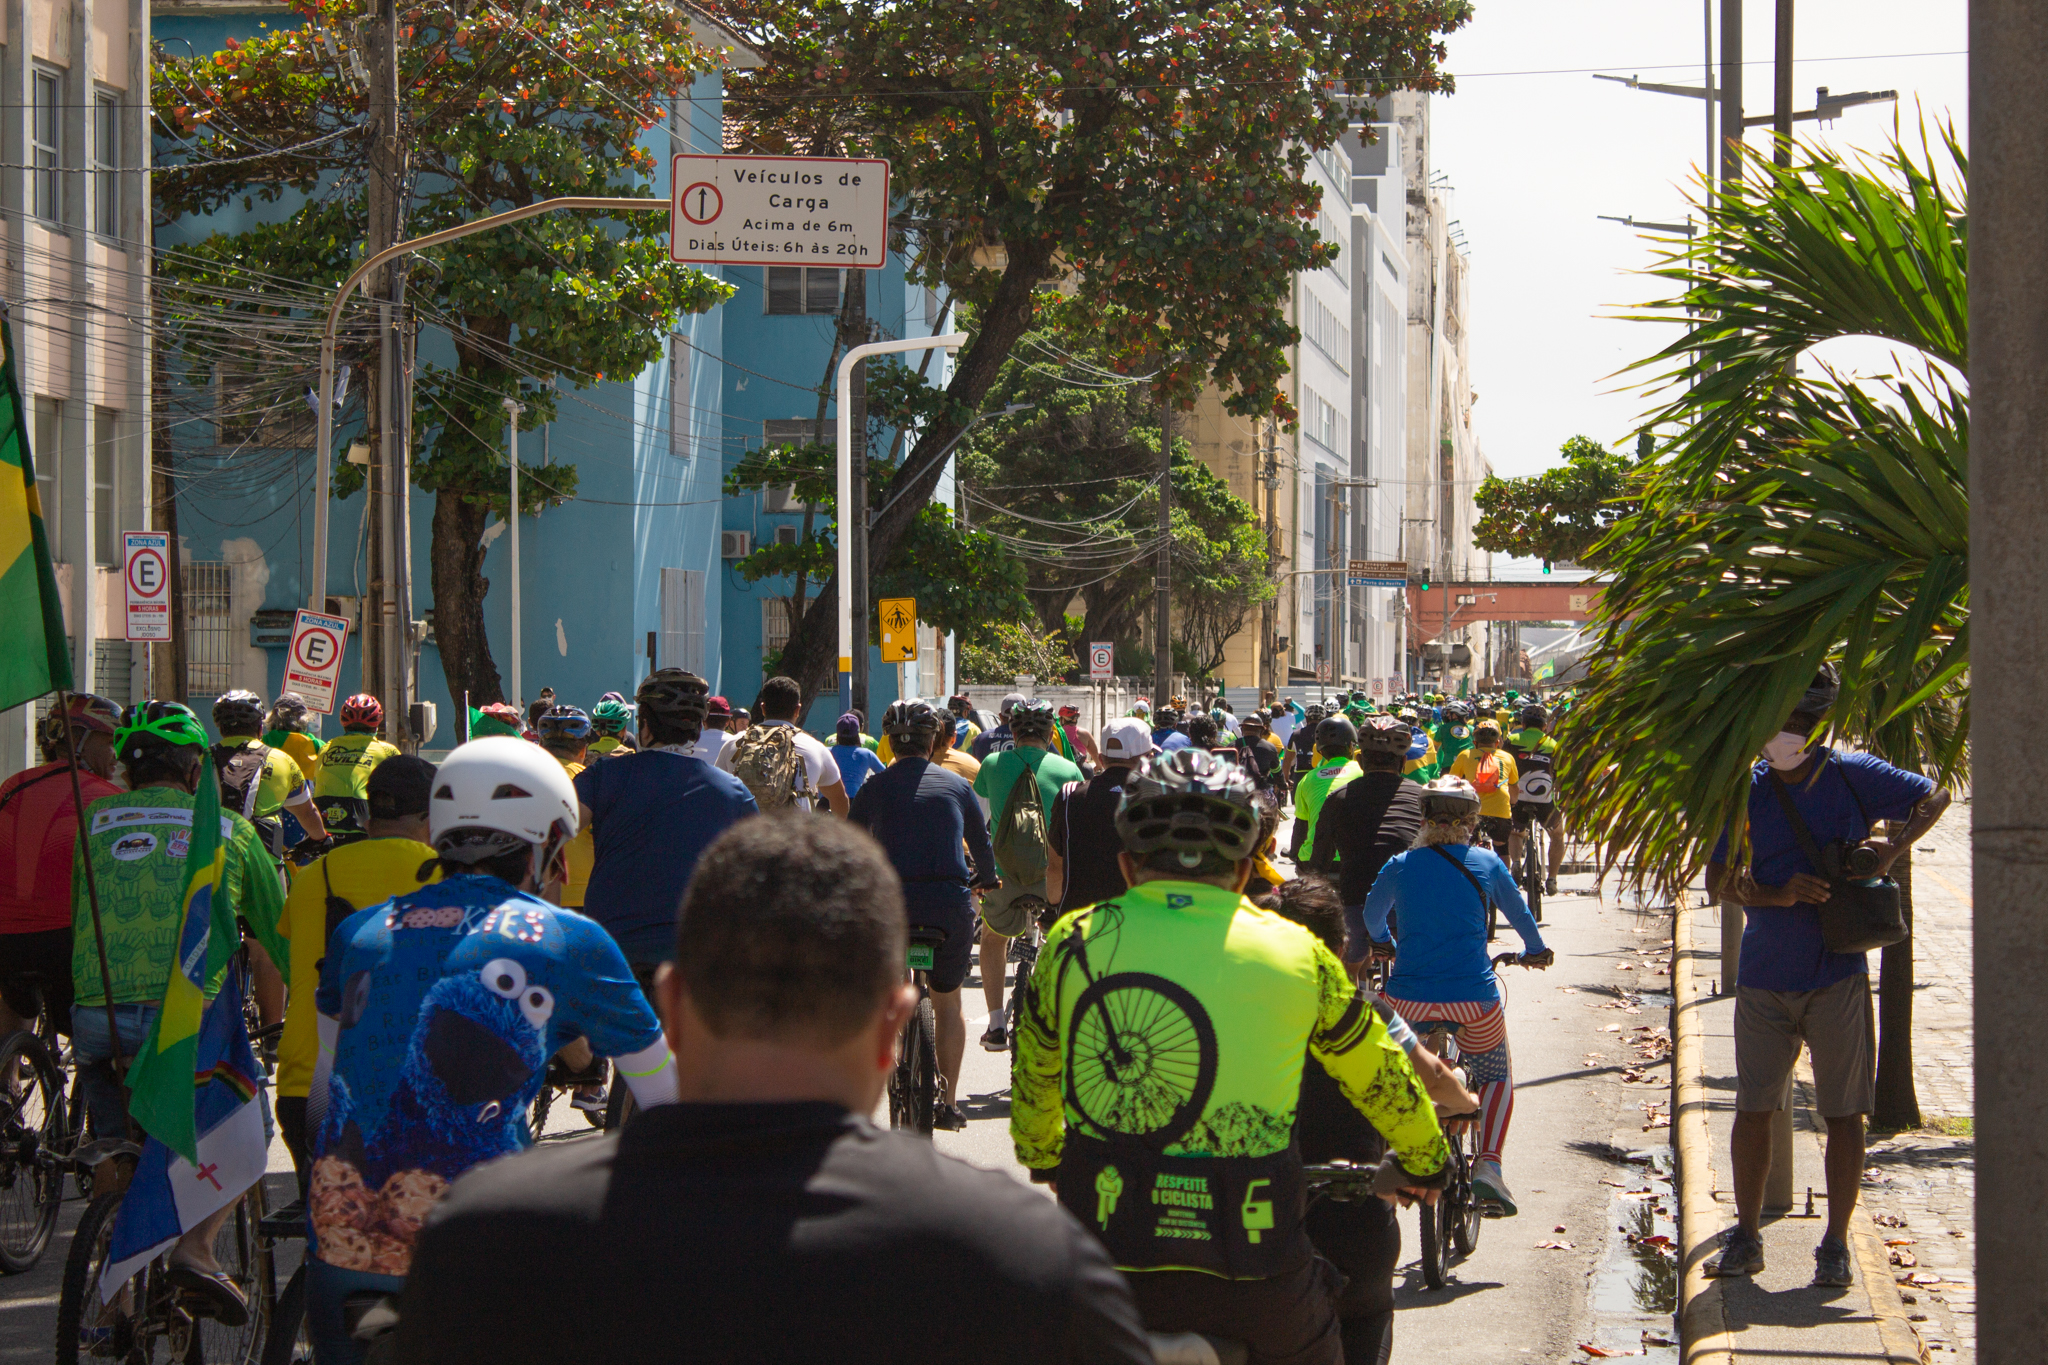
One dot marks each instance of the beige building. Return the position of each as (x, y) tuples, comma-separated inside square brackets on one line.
[(74, 200)]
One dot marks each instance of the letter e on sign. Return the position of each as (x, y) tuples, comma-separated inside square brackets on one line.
[(146, 574), (312, 668)]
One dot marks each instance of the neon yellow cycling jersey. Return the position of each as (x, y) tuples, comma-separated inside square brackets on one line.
[(1160, 1046), (346, 764), (1313, 790)]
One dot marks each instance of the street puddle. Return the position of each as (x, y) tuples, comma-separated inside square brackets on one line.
[(1633, 1296)]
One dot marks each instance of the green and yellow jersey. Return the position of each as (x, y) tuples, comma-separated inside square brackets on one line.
[(1160, 1047), (303, 748), (1315, 788), (346, 764)]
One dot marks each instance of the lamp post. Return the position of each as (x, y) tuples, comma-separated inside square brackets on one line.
[(512, 410), (950, 341)]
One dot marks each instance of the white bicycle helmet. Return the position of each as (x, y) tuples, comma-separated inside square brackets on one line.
[(1449, 799), (495, 795)]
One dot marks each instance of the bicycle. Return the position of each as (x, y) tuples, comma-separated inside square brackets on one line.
[(560, 1077), (36, 1139), (1451, 1224), (914, 1082), (1533, 865)]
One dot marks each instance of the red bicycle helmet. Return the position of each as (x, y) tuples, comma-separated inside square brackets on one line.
[(362, 711)]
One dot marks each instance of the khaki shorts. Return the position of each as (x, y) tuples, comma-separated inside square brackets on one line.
[(1838, 1030), (1008, 912)]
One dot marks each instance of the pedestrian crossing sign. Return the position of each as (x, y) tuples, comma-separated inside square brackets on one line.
[(899, 630)]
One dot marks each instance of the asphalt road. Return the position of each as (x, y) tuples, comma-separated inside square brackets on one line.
[(1576, 1123)]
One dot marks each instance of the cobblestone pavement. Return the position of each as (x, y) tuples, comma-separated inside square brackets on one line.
[(1921, 1185)]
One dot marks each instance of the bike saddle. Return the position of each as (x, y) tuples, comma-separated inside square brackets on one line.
[(928, 933), (1193, 1348), (368, 1314)]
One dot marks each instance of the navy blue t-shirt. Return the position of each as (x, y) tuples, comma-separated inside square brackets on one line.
[(653, 814), (1782, 948), (991, 742), (920, 813)]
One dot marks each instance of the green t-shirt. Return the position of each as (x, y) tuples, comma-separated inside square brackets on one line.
[(347, 762), (1000, 771), (1255, 992), (1310, 793), (138, 842)]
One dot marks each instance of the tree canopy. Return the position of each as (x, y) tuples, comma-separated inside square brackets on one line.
[(1563, 512)]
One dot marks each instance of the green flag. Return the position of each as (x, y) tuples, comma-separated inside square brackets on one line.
[(162, 1083), (36, 658)]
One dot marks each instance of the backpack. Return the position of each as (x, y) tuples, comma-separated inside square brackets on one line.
[(1020, 842), (1486, 774), (765, 758)]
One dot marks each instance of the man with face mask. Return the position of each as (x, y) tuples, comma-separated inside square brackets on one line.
[(1790, 987)]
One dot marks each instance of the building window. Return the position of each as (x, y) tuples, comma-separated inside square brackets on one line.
[(48, 150), (774, 624), (209, 627), (1325, 332), (48, 453), (1320, 421), (106, 496), (803, 289), (106, 164), (682, 619)]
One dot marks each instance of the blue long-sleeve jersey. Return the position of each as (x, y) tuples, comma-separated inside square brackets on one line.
[(1443, 955)]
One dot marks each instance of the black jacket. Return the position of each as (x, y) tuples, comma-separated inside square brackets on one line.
[(1361, 825)]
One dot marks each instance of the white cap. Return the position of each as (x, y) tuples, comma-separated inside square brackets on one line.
[(1127, 738)]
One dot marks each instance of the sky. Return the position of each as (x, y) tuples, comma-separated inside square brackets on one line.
[(1533, 159)]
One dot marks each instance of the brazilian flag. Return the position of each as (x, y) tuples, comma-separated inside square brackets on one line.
[(162, 1082), (35, 660)]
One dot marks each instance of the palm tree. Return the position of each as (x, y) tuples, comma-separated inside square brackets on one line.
[(1791, 520)]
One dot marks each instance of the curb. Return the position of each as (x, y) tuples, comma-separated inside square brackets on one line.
[(1702, 1322)]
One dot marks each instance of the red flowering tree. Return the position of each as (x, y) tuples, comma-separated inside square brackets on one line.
[(1145, 157)]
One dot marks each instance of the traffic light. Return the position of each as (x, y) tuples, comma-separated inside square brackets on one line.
[(1546, 566), (1425, 580)]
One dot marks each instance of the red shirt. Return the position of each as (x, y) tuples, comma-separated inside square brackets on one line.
[(38, 827)]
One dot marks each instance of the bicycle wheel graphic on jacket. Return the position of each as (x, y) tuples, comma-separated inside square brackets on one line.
[(1141, 1058)]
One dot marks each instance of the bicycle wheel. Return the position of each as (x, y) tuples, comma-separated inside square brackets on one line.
[(89, 1327), (922, 1099), (1532, 869), (32, 1133), (537, 1117), (1464, 1214), (287, 1342), (1492, 921), (248, 1263), (1435, 1241), (1141, 1057)]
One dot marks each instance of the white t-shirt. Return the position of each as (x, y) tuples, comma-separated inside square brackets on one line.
[(820, 768), (1282, 727), (712, 744)]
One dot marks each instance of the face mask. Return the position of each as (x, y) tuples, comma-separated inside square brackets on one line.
[(1785, 750)]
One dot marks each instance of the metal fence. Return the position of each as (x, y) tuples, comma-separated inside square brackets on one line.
[(209, 628)]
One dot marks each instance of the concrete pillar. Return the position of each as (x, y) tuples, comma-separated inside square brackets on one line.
[(1732, 920), (2009, 599)]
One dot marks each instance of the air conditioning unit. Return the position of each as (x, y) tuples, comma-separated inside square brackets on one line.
[(780, 498), (788, 535), (735, 544)]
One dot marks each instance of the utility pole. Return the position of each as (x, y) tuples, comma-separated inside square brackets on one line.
[(853, 331), (1731, 94), (1162, 609), (1781, 89), (1270, 613), (386, 638), (2008, 498)]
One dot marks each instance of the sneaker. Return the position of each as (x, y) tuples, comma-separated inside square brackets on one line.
[(995, 1039), (948, 1118), (1550, 886), (590, 1101), (1831, 1265), (1491, 1192), (1742, 1253)]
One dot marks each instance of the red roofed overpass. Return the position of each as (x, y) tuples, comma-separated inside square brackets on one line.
[(1470, 602)]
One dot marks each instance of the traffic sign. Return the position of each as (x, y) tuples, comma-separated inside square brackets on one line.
[(1376, 573), (899, 630), (312, 667), (1101, 659), (779, 210), (146, 567)]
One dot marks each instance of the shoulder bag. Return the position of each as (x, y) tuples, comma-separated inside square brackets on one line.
[(1856, 916)]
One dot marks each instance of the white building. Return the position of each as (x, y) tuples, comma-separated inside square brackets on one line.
[(1325, 365), (74, 199), (1379, 295)]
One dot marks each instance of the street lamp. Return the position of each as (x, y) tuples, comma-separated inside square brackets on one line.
[(949, 342), (512, 410)]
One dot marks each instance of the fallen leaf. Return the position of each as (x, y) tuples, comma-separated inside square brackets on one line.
[(1558, 1228), (1890, 1220), (1904, 1258), (1616, 1183), (1612, 1028), (1659, 1122), (1898, 1241), (1924, 1278), (1553, 1246), (1599, 1354)]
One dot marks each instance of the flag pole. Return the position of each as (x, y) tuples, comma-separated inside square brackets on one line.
[(92, 891)]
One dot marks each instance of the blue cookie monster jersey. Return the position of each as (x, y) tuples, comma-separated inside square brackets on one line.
[(451, 999)]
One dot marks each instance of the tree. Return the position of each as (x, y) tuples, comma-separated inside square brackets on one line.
[(1010, 650), (1069, 486), (1560, 514), (502, 107), (1792, 520), (1151, 156)]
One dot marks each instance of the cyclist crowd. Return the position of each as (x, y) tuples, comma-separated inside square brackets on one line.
[(571, 888)]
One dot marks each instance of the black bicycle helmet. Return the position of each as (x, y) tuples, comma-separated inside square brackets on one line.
[(239, 712), (1449, 799), (1336, 736), (1032, 719), (563, 723), (674, 697), (1533, 717), (1192, 803), (1381, 734), (1821, 693), (288, 712), (911, 717)]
